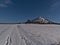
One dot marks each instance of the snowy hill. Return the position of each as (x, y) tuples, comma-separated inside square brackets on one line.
[(40, 20), (29, 34)]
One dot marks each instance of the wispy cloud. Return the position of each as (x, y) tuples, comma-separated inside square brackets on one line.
[(5, 3), (8, 2), (55, 4)]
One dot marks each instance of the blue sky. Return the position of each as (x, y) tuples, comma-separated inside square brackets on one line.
[(21, 10)]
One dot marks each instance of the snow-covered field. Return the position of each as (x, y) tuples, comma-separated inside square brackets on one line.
[(29, 34)]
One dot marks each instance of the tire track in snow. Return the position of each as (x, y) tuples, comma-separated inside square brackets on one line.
[(11, 38), (5, 35), (9, 41), (26, 36), (14, 37)]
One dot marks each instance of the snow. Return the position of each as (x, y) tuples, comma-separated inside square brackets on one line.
[(40, 20), (29, 34)]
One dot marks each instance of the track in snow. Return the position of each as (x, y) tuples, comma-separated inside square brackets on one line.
[(29, 34)]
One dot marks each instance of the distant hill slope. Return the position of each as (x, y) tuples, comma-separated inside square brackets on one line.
[(40, 20)]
